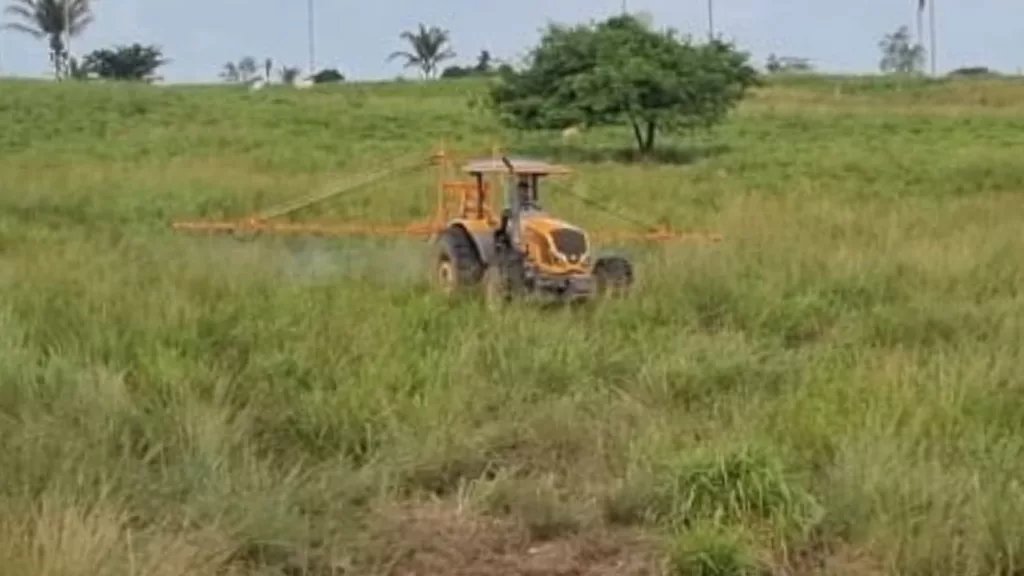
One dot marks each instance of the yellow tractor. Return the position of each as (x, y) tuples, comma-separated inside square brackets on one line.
[(520, 250), (523, 250)]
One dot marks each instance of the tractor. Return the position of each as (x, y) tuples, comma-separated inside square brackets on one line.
[(522, 251)]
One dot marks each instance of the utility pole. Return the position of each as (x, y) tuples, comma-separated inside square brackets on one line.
[(711, 20), (67, 38), (920, 22), (310, 32), (931, 19)]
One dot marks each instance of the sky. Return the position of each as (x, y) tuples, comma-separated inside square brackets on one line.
[(200, 36)]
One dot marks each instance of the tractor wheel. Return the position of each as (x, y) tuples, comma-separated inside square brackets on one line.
[(456, 264), (503, 280), (614, 275)]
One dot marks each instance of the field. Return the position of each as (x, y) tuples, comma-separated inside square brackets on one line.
[(835, 388)]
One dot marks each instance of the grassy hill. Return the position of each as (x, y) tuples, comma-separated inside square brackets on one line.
[(835, 387)]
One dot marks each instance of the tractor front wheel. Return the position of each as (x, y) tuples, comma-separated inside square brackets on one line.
[(614, 275)]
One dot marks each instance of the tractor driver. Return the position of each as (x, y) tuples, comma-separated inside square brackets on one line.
[(525, 194)]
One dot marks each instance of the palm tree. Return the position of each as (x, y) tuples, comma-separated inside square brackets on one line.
[(429, 49), (56, 20)]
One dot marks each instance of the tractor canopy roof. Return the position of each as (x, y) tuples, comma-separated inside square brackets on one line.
[(520, 165)]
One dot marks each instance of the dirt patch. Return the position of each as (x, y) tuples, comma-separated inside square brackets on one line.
[(833, 559), (426, 539)]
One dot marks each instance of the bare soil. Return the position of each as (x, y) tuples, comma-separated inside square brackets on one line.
[(437, 538)]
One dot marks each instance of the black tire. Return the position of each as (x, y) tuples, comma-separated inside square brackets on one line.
[(614, 275), (457, 265)]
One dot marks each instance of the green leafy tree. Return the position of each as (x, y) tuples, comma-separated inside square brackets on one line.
[(75, 70), (899, 54), (328, 76), (483, 67), (53, 20), (483, 62), (623, 71), (428, 48), (135, 62)]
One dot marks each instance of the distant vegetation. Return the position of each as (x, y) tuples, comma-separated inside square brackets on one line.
[(428, 47), (484, 67), (53, 22), (134, 62)]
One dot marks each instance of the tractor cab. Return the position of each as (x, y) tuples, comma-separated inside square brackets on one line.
[(520, 179)]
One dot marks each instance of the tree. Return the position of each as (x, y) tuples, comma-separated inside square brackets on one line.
[(54, 20), (243, 71), (135, 62), (973, 71), (430, 47), (483, 62), (483, 67), (328, 76), (899, 54), (75, 70), (623, 71)]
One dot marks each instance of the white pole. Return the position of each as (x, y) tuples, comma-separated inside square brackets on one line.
[(919, 13), (711, 20), (931, 18), (312, 42)]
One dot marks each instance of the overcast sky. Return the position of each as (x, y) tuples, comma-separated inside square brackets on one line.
[(356, 37)]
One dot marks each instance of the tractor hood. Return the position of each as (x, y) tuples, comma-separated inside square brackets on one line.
[(558, 243)]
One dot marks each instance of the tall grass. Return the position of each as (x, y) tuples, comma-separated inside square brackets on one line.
[(835, 386)]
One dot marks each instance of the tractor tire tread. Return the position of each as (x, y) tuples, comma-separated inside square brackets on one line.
[(460, 250), (614, 271)]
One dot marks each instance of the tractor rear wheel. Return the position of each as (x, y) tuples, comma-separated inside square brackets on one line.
[(456, 264), (614, 275)]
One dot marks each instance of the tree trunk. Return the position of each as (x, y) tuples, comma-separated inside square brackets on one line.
[(639, 136), (56, 53), (645, 137), (651, 132)]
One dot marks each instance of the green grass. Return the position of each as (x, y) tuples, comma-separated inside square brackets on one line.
[(834, 387)]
